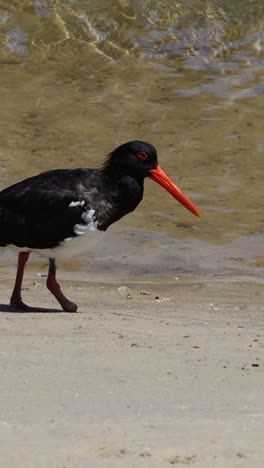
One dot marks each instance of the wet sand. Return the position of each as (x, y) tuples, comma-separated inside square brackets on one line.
[(144, 375)]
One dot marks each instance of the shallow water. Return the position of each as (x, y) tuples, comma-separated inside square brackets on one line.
[(79, 77)]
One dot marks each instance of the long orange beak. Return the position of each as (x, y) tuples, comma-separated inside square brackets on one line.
[(161, 178)]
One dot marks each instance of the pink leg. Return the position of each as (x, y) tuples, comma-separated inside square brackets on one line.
[(55, 289), (16, 303)]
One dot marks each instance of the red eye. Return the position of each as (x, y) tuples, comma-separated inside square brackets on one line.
[(142, 155)]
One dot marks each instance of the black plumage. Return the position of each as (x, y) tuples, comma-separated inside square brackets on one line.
[(50, 209)]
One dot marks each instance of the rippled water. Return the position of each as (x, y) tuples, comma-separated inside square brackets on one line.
[(79, 77)]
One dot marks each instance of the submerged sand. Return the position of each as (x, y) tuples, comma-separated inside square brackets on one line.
[(144, 375)]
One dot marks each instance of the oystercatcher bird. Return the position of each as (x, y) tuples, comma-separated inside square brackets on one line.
[(60, 213)]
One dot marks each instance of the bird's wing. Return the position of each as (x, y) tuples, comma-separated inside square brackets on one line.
[(41, 212)]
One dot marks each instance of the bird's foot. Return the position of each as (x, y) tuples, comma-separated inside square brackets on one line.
[(17, 305), (55, 289), (68, 306)]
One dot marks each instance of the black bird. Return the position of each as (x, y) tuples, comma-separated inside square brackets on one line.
[(60, 213)]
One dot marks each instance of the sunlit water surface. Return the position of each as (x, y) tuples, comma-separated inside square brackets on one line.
[(78, 77)]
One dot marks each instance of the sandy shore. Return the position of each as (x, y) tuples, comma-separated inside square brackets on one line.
[(144, 375)]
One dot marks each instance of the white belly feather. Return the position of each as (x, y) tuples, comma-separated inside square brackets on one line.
[(87, 236)]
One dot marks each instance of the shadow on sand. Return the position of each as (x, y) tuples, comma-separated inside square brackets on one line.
[(30, 310)]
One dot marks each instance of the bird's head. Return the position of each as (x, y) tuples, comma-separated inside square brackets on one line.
[(139, 159), (135, 158)]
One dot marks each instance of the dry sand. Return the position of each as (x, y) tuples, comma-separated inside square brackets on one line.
[(144, 375)]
